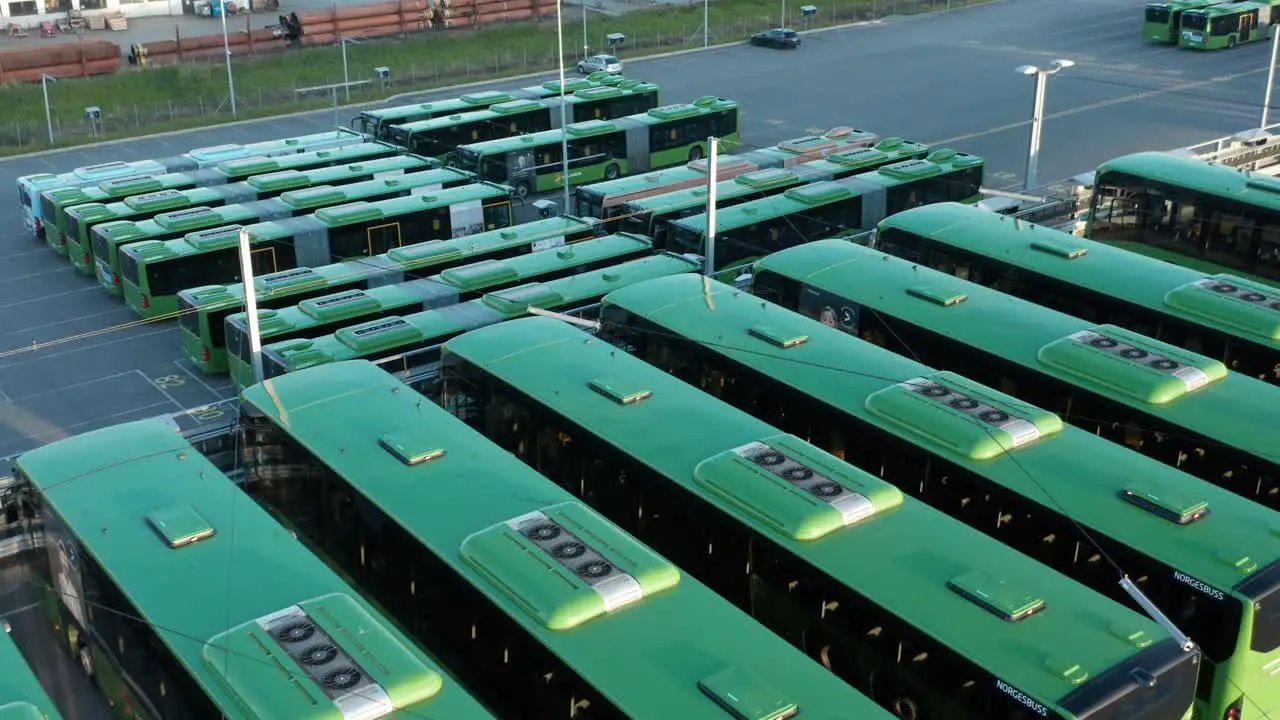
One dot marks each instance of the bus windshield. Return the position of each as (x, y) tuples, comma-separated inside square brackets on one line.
[(469, 160), (1194, 20), (1158, 14)]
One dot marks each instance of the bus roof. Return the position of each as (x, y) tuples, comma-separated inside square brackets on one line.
[(1165, 288), (1232, 8), (202, 562), (259, 165), (902, 557), (21, 695), (217, 153), (1194, 174), (94, 174), (1087, 474), (472, 101), (1232, 409), (344, 414), (521, 105)]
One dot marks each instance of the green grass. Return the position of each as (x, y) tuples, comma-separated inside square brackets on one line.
[(141, 101)]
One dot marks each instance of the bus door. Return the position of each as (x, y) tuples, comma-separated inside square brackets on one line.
[(263, 260), (522, 170), (1246, 26), (381, 238)]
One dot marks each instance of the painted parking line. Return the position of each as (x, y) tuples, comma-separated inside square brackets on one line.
[(194, 373)]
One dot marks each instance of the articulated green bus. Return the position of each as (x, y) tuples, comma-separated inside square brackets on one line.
[(604, 199), (1179, 407), (21, 696), (653, 215), (1227, 24), (928, 617), (203, 310), (754, 229), (548, 610), (440, 136), (598, 149), (978, 454), (408, 344), (1227, 318), (1184, 210), (231, 171), (154, 272), (79, 220), (184, 599), (1161, 21), (327, 314), (378, 123), (109, 238)]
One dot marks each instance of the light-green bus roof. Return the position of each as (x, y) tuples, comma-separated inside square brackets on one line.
[(1165, 288), (1233, 8), (485, 98), (1183, 4), (1194, 174), (1086, 475), (229, 151), (243, 167), (1231, 409), (426, 328), (514, 106), (646, 659), (21, 695), (901, 557), (128, 492)]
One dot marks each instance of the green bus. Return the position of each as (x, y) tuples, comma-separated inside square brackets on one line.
[(440, 136), (548, 609), (927, 616), (1184, 210), (79, 220), (977, 454), (604, 199), (327, 314), (1227, 318), (653, 215), (109, 238), (231, 171), (203, 310), (21, 695), (1226, 25), (1181, 408), (184, 599), (378, 123), (659, 138), (754, 229), (1161, 21), (409, 345), (153, 272)]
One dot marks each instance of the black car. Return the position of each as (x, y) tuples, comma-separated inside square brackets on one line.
[(778, 38)]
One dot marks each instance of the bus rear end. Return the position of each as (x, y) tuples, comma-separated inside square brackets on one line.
[(1160, 23)]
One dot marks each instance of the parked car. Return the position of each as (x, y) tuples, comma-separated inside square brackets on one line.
[(777, 37), (596, 63)]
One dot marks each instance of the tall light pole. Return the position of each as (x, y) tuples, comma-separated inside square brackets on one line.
[(706, 20), (586, 46), (1037, 115), (250, 304), (1271, 76), (226, 45), (49, 114), (564, 126), (784, 14), (346, 80)]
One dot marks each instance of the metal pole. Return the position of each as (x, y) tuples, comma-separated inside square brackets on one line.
[(1037, 119), (48, 114), (564, 123), (346, 80), (586, 47), (250, 304), (706, 20), (1271, 76), (335, 106), (713, 161), (226, 45), (784, 14)]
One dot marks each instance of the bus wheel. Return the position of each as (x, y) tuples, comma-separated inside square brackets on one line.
[(86, 661), (522, 189), (695, 153), (611, 172), (905, 708)]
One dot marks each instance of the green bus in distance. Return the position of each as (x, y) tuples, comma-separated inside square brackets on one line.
[(1161, 21), (1226, 25)]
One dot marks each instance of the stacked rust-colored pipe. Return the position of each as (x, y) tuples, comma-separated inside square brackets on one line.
[(96, 57)]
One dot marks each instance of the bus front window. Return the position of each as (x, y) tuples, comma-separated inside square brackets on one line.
[(1194, 21), (1158, 14)]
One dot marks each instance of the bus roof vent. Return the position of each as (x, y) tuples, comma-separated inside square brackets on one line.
[(205, 294), (188, 219), (620, 391), (819, 193), (1116, 360), (339, 305), (411, 447), (794, 488), (673, 112), (214, 238), (570, 85), (858, 157), (516, 300), (937, 295), (130, 185), (485, 273), (278, 181), (148, 250), (766, 177), (1244, 305), (313, 196), (324, 654), (1263, 182), (68, 195), (942, 155), (1165, 502), (565, 565), (180, 526), (291, 279), (743, 695), (155, 200), (996, 595), (891, 143), (354, 212), (1060, 248), (514, 107), (121, 230), (777, 337), (806, 144), (963, 417), (590, 127), (249, 166), (88, 172), (596, 93), (487, 97), (910, 169), (431, 252), (379, 334), (90, 212)]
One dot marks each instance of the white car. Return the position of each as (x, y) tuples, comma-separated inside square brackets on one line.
[(596, 63)]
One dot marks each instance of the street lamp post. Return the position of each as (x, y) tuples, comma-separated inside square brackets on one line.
[(564, 125), (1271, 76), (48, 114), (346, 79), (784, 14), (586, 46), (226, 45), (706, 19), (1037, 115)]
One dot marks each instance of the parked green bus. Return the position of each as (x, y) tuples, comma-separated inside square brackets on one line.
[(21, 695), (1211, 217), (654, 214), (659, 138), (203, 310), (1161, 21), (154, 272), (550, 611), (327, 314), (184, 599), (977, 454), (440, 136), (79, 220), (1227, 24), (409, 344), (927, 616), (754, 229), (1227, 318), (1181, 408)]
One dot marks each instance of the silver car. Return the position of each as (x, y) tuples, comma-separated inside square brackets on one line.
[(596, 63)]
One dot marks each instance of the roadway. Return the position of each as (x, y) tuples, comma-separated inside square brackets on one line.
[(70, 361)]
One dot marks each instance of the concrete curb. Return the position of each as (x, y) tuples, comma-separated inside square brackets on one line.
[(402, 97)]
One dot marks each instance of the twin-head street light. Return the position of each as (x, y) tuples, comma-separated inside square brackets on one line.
[(48, 114), (1037, 114), (346, 79)]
